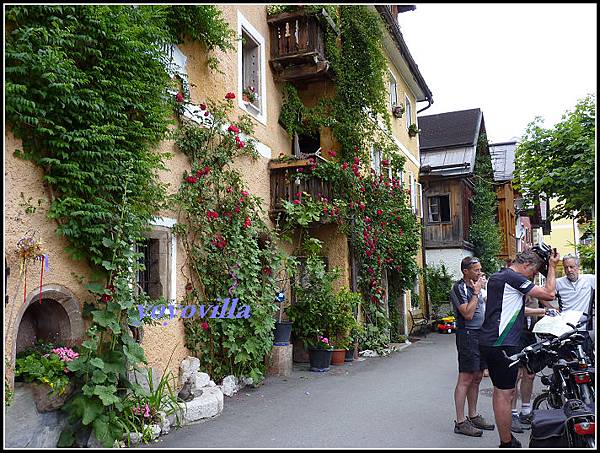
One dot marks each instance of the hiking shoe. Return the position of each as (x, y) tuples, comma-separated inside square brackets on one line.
[(467, 429), (516, 426), (479, 422), (514, 443), (525, 420)]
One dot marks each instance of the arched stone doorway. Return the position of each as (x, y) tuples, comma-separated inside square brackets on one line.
[(57, 319)]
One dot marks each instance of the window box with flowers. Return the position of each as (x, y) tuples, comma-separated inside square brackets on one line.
[(398, 111), (249, 95), (413, 130)]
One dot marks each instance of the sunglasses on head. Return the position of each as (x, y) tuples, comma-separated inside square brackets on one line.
[(471, 262)]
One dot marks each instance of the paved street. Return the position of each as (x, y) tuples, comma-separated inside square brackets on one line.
[(404, 400)]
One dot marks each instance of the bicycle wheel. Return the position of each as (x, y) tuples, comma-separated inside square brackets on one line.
[(547, 400)]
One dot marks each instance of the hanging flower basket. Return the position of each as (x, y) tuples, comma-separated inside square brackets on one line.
[(413, 130), (398, 111)]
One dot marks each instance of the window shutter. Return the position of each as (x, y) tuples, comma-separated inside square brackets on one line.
[(420, 195)]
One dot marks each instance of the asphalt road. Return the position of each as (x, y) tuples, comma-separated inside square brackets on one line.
[(404, 400)]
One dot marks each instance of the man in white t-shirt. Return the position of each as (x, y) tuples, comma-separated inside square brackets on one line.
[(576, 292)]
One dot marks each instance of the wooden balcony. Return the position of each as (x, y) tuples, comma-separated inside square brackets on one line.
[(284, 185), (297, 46)]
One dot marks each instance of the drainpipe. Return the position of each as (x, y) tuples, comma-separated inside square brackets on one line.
[(429, 102)]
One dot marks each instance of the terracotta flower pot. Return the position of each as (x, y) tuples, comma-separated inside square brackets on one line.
[(337, 357)]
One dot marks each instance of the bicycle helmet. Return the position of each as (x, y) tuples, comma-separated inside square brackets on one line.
[(543, 251)]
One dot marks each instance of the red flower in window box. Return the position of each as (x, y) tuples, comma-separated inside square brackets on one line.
[(229, 96)]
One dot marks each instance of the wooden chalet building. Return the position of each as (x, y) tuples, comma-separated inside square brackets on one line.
[(448, 145)]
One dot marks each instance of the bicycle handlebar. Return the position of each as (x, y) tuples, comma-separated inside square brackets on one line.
[(544, 344)]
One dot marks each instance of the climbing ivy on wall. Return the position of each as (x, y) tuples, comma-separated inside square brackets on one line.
[(86, 92)]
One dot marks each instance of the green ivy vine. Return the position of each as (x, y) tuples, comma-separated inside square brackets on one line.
[(86, 92), (373, 210)]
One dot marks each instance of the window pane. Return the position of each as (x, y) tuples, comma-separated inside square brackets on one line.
[(445, 208)]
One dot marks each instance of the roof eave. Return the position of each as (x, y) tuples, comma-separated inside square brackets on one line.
[(396, 34)]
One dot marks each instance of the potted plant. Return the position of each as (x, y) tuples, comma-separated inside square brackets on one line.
[(249, 94), (311, 314), (398, 111), (283, 329), (320, 352), (413, 130), (343, 322), (48, 375)]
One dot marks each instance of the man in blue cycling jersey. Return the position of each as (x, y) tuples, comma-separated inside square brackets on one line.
[(502, 327)]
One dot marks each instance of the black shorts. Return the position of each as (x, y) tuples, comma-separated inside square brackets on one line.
[(469, 357), (502, 376)]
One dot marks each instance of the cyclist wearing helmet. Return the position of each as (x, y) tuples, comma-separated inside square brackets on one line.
[(504, 322)]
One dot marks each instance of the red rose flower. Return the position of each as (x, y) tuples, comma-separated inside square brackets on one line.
[(233, 129), (245, 193), (237, 209), (204, 325), (345, 166), (267, 270), (179, 97), (247, 223), (202, 106), (191, 179), (105, 298), (229, 190), (297, 201), (230, 96), (332, 153), (379, 212)]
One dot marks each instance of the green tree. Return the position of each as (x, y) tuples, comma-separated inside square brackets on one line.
[(560, 161), (485, 233)]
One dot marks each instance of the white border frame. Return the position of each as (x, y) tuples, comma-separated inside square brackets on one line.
[(249, 29)]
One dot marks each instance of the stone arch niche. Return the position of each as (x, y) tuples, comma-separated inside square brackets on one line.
[(57, 319)]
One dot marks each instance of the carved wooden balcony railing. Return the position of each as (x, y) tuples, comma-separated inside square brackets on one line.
[(284, 185), (297, 46)]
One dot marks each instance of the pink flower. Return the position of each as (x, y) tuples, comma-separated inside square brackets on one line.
[(179, 97), (379, 212), (245, 193), (297, 202), (247, 223), (332, 153), (204, 325), (230, 96)]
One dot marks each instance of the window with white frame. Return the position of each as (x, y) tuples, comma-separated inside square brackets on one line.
[(412, 181), (393, 86), (251, 70), (408, 112), (376, 157)]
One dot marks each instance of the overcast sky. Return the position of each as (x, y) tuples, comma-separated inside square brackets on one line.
[(513, 61)]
